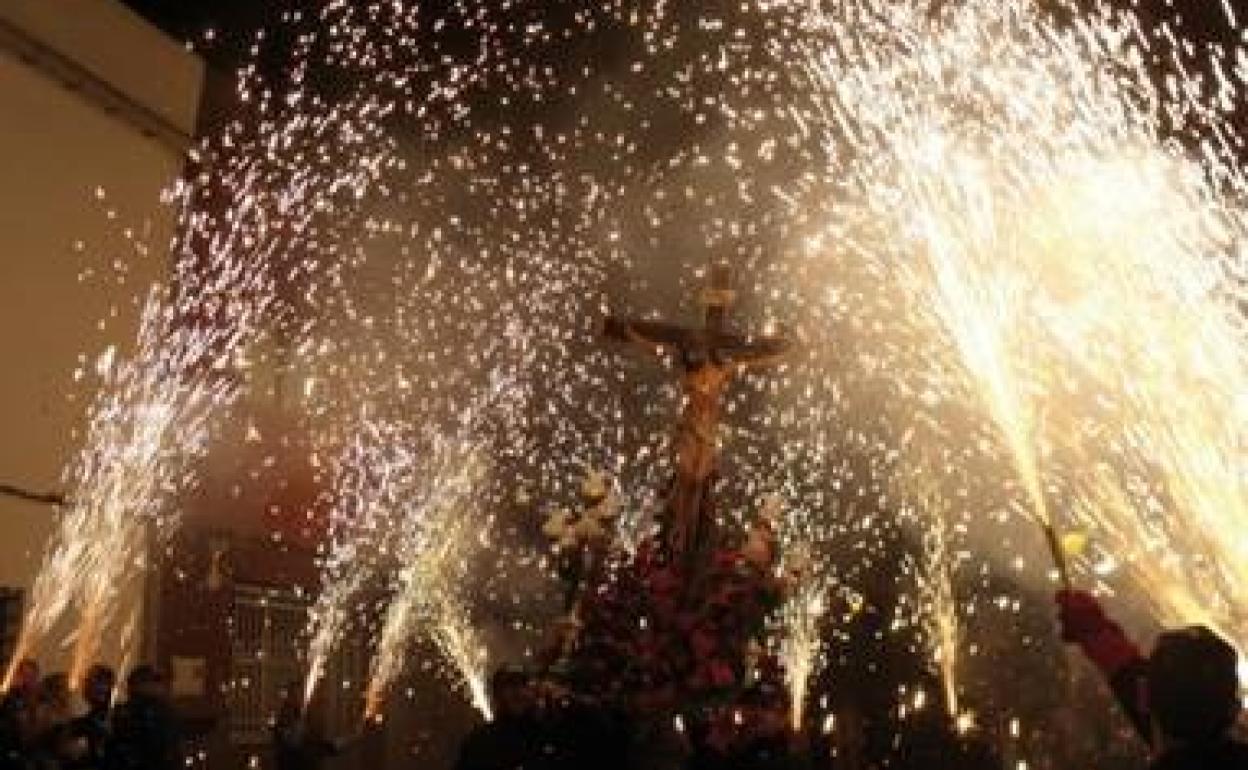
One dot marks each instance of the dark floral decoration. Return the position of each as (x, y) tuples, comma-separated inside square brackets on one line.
[(656, 637)]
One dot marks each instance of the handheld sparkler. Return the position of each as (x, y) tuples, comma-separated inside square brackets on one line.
[(1059, 555)]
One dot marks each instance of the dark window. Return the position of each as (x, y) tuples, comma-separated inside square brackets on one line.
[(11, 603)]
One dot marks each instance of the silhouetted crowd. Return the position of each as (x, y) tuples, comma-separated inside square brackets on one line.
[(40, 729), (536, 726), (1183, 700)]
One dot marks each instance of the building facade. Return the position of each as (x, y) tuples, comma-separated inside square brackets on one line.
[(97, 110)]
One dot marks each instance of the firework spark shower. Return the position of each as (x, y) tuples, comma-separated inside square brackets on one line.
[(247, 215), (1007, 235), (1074, 234)]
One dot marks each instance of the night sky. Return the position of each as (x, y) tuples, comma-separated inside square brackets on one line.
[(235, 20)]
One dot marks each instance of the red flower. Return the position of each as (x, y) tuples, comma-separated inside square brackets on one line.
[(722, 674), (702, 642)]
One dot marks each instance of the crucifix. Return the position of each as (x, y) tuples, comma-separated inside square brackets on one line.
[(709, 357)]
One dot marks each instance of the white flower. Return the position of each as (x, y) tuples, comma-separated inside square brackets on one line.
[(595, 485), (772, 510), (758, 548), (588, 530), (557, 525)]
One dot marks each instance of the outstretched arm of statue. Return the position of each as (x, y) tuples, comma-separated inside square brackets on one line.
[(654, 336), (755, 351)]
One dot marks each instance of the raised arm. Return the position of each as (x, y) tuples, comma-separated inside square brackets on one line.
[(1084, 623)]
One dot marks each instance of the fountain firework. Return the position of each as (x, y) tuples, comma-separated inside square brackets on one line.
[(367, 489), (937, 599), (802, 644), (121, 483), (1035, 195), (267, 197), (440, 528), (151, 420), (797, 633), (407, 518)]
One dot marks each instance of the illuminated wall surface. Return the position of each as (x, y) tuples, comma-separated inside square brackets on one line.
[(92, 100)]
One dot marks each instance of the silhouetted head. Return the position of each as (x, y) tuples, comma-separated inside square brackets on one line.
[(145, 682), (26, 676), (1193, 686), (54, 689), (974, 753), (764, 708), (292, 695), (511, 693), (314, 711), (98, 686)]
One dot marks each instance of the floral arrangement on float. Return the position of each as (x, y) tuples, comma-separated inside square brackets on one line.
[(651, 632)]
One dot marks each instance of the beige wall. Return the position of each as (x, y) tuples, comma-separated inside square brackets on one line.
[(90, 98), (105, 39)]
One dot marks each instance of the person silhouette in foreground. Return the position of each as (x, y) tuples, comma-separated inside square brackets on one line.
[(1183, 698), (513, 738), (301, 735), (53, 713), (91, 733), (929, 739), (18, 723), (145, 731), (768, 743)]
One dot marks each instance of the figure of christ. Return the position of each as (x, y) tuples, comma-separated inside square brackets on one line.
[(709, 358)]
